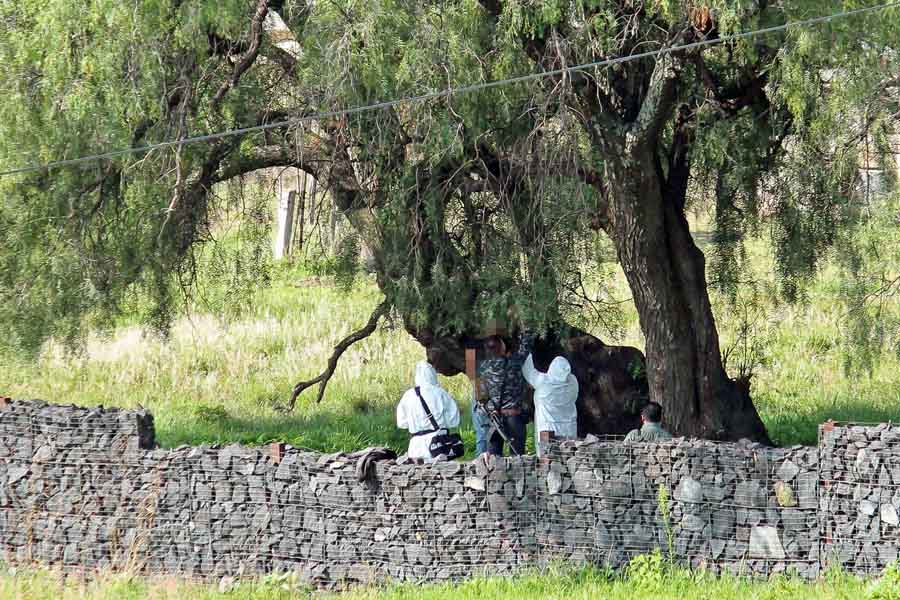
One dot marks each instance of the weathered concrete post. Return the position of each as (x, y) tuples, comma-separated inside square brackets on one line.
[(286, 200)]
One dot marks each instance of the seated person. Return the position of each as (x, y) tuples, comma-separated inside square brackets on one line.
[(411, 414), (555, 394), (651, 430)]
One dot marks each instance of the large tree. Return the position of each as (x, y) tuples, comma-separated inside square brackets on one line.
[(477, 206)]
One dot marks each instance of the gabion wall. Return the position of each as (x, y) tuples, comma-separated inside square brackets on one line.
[(859, 495), (84, 488), (744, 509)]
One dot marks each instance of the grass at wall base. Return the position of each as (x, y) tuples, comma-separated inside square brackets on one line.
[(647, 578)]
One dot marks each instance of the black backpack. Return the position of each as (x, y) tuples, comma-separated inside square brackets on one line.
[(447, 443)]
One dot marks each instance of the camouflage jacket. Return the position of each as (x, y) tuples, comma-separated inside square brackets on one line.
[(501, 378)]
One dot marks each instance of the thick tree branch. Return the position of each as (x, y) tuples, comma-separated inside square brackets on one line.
[(738, 95), (256, 31), (658, 103), (679, 167), (339, 350)]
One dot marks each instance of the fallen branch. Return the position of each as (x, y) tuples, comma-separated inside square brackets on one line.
[(341, 347)]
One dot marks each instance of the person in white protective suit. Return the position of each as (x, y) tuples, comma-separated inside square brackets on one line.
[(411, 414), (555, 394)]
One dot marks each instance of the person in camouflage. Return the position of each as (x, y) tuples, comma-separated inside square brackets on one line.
[(500, 390), (651, 430)]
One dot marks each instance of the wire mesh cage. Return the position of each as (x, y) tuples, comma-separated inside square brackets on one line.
[(83, 489)]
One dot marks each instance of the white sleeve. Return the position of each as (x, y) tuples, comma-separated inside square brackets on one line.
[(530, 374), (451, 411), (402, 416)]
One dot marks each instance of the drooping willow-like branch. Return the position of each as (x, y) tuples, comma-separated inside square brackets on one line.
[(339, 350)]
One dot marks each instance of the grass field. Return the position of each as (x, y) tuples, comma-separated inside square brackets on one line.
[(223, 381), (644, 581), (220, 381)]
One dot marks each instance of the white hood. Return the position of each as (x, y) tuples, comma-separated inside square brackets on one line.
[(560, 369), (555, 397), (426, 375)]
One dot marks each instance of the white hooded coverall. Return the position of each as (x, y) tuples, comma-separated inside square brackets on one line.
[(411, 416), (555, 394)]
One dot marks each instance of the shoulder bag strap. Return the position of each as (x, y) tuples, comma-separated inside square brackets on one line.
[(431, 418)]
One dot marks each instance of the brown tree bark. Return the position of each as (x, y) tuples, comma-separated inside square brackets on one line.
[(666, 273)]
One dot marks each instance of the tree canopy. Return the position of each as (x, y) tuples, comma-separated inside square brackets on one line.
[(496, 203)]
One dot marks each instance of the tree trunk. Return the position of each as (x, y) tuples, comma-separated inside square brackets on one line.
[(666, 274)]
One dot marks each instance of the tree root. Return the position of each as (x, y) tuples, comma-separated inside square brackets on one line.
[(339, 349)]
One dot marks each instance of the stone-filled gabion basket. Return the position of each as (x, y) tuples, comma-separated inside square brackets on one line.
[(85, 488)]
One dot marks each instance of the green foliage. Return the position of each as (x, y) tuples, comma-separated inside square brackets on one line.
[(649, 572), (869, 255), (479, 205), (663, 505), (222, 380), (753, 317), (888, 586), (80, 243)]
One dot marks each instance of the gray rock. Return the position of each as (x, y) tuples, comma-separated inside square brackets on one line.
[(449, 469), (693, 523), (868, 508), (616, 489), (749, 494), (723, 523), (884, 478), (15, 474), (806, 491), (602, 537), (765, 543), (889, 515), (43, 454), (497, 503), (887, 553), (866, 462), (583, 481), (554, 482), (457, 505), (788, 470), (484, 465), (689, 490), (474, 483), (418, 554), (715, 493), (261, 519)]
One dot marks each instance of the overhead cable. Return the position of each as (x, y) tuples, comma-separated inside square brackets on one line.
[(294, 121)]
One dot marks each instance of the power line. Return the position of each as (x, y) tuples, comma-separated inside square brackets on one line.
[(444, 93)]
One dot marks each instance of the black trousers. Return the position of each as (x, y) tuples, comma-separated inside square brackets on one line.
[(514, 428)]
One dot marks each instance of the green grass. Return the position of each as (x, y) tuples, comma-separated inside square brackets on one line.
[(219, 382), (646, 580), (224, 381)]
